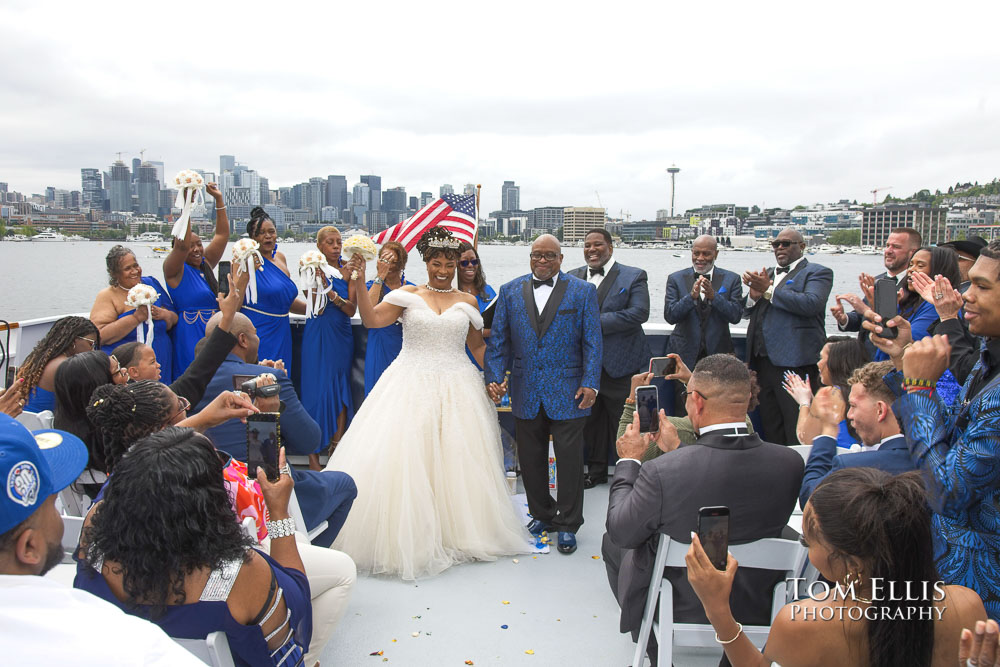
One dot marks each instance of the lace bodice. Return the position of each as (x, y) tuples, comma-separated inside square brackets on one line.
[(432, 338)]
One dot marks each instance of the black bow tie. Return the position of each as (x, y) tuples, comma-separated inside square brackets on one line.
[(598, 271), (538, 283), (782, 269)]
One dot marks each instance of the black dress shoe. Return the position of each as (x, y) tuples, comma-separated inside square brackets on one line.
[(590, 481), (567, 543)]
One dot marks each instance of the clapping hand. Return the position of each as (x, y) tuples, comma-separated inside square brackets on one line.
[(938, 292), (829, 408), (798, 388), (979, 648), (867, 283), (757, 281), (927, 359)]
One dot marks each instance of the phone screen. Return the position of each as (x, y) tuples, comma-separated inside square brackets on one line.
[(662, 366), (11, 375), (885, 304), (263, 434), (224, 269), (647, 404), (713, 531)]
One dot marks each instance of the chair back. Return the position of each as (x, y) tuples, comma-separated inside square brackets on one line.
[(31, 420), (803, 450), (212, 650), (72, 527)]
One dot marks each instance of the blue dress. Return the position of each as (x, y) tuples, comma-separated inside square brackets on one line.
[(383, 345), (195, 304), (40, 400), (921, 320), (327, 351), (163, 346), (483, 300), (275, 294)]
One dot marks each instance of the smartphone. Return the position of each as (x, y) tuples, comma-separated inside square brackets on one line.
[(647, 404), (238, 381), (11, 376), (263, 441), (662, 366), (713, 531), (224, 269), (885, 304)]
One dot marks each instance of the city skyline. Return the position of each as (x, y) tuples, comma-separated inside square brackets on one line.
[(772, 105)]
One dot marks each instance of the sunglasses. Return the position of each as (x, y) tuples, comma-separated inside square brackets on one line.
[(465, 263), (781, 244)]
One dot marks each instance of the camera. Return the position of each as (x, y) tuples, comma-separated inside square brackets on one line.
[(251, 389)]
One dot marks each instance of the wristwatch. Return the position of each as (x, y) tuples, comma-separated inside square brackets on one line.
[(768, 293)]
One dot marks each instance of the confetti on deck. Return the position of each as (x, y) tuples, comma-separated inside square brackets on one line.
[(596, 557), (469, 662), (417, 617), (414, 634), (506, 601), (376, 653), (503, 627), (530, 652), (515, 560)]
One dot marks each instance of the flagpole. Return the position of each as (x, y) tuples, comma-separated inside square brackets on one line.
[(475, 239)]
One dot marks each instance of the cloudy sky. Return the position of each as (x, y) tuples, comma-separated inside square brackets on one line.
[(762, 103)]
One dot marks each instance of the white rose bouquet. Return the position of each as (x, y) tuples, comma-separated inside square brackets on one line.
[(359, 245), (142, 295), (246, 257), (190, 193), (312, 267)]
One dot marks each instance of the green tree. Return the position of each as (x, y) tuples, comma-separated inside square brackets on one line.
[(850, 237)]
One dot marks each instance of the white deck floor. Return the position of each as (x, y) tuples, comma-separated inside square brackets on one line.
[(560, 607)]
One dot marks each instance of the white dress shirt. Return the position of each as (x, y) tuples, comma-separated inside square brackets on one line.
[(874, 448), (597, 278), (736, 428), (708, 275), (542, 292)]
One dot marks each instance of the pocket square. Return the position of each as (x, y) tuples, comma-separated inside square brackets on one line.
[(722, 290)]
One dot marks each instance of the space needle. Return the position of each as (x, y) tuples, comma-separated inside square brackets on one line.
[(672, 170)]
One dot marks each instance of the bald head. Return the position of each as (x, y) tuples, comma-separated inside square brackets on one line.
[(546, 242), (241, 325), (546, 256), (788, 246), (704, 251)]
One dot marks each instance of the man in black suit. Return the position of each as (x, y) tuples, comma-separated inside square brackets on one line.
[(758, 481), (623, 297)]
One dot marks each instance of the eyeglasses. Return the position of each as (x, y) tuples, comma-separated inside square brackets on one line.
[(544, 256), (92, 343), (465, 263), (688, 392), (781, 244), (122, 371), (185, 406)]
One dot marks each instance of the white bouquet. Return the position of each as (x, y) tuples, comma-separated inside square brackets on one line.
[(142, 295), (359, 245), (312, 266), (246, 257), (190, 193)]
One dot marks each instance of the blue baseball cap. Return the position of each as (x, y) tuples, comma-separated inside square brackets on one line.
[(33, 466)]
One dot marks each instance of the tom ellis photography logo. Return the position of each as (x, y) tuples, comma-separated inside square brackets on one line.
[(889, 601)]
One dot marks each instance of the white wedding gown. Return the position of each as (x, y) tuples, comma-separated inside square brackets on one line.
[(425, 453)]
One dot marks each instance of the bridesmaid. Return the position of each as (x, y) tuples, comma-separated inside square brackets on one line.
[(472, 280), (328, 350), (384, 344), (188, 271), (116, 322), (275, 293)]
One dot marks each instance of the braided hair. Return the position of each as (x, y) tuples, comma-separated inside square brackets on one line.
[(114, 257), (126, 413), (257, 217), (429, 252), (59, 340)]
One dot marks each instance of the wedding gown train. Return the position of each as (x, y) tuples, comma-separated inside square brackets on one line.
[(425, 453)]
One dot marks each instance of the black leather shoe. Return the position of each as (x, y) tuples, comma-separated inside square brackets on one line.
[(590, 481), (567, 543), (537, 527)]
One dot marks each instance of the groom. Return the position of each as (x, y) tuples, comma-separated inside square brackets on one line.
[(549, 324)]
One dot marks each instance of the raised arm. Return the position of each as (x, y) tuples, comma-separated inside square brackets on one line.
[(217, 246), (372, 316)]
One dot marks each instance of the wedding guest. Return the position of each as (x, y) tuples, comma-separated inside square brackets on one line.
[(385, 343), (328, 350), (623, 297), (117, 321), (138, 360), (188, 272), (68, 336), (276, 292), (178, 577), (472, 280), (947, 302), (865, 530), (786, 305)]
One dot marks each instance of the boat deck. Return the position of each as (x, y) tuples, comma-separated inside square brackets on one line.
[(560, 607)]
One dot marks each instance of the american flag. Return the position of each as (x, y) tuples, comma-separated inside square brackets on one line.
[(456, 213)]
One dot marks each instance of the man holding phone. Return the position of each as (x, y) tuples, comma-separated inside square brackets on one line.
[(623, 297), (727, 466)]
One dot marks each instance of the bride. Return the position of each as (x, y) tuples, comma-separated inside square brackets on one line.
[(424, 449)]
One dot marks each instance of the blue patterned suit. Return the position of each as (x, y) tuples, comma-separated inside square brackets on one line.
[(958, 454), (553, 354)]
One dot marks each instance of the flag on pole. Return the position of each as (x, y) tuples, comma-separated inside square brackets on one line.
[(456, 213)]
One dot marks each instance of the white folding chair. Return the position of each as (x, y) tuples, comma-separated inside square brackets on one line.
[(72, 526), (803, 451), (766, 554), (75, 502), (212, 650), (31, 420), (296, 512)]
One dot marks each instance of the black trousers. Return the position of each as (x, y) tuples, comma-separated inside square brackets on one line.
[(601, 427), (779, 413), (566, 513)]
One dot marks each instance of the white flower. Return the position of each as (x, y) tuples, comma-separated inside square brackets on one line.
[(243, 249), (141, 295), (188, 178), (359, 245), (313, 259)]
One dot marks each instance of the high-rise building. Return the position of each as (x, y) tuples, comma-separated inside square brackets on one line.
[(250, 179), (414, 203), (548, 218), (160, 175), (265, 192), (394, 200), (336, 192), (578, 220), (469, 189), (878, 221), (136, 163), (374, 184), (227, 163), (510, 197), (426, 198), (50, 193), (317, 197), (446, 189), (120, 187), (361, 196), (148, 189)]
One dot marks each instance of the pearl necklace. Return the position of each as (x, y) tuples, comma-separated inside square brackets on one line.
[(439, 291)]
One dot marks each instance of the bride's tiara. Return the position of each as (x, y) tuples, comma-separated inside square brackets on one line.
[(443, 243)]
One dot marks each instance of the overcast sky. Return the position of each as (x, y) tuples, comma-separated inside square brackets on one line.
[(761, 103)]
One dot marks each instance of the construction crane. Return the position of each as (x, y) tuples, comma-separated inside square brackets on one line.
[(878, 190), (142, 155), (598, 198)]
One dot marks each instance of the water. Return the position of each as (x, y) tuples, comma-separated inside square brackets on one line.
[(46, 279)]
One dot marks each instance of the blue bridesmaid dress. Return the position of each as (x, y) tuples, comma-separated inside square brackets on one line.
[(195, 304), (327, 351), (40, 400), (383, 345), (275, 294), (483, 300), (162, 344)]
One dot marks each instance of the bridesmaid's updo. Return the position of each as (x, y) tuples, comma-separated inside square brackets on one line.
[(257, 217), (438, 241)]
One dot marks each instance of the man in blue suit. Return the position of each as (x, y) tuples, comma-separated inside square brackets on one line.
[(787, 308), (549, 324), (701, 303), (869, 408), (322, 496), (623, 297)]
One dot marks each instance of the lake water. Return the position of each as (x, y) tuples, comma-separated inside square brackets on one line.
[(46, 279)]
